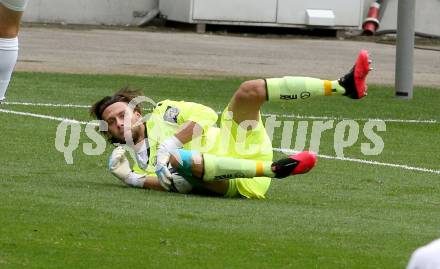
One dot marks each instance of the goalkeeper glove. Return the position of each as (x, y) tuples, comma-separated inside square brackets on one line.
[(120, 168), (179, 183), (163, 158)]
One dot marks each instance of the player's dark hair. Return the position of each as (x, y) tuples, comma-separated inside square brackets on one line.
[(124, 95)]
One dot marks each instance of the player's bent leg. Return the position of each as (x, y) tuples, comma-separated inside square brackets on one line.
[(194, 166), (247, 101), (220, 168), (353, 84), (189, 165)]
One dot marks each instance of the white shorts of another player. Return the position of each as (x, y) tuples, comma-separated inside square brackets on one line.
[(426, 257), (15, 5)]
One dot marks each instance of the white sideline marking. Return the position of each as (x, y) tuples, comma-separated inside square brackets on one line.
[(401, 166), (303, 117), (288, 151), (356, 119), (46, 105), (41, 116)]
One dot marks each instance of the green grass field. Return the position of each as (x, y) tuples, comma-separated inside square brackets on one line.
[(340, 215)]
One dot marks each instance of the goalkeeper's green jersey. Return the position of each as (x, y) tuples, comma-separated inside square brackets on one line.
[(169, 116)]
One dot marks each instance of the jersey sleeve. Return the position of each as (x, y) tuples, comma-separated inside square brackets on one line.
[(181, 112)]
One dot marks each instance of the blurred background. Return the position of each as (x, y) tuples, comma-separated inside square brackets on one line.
[(333, 14)]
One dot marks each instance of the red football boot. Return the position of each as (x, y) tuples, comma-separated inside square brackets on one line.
[(299, 163), (355, 81)]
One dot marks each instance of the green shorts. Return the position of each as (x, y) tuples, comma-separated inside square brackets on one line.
[(236, 142)]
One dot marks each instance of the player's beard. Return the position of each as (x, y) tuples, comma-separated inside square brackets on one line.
[(136, 134)]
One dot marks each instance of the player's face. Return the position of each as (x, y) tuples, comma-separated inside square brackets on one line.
[(114, 116)]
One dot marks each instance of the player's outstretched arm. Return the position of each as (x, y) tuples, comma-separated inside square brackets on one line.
[(189, 131), (119, 166)]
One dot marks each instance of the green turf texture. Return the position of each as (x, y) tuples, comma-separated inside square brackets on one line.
[(340, 215)]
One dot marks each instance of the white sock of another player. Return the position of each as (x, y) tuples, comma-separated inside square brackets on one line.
[(8, 58)]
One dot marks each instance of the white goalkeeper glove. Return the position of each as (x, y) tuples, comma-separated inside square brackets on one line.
[(179, 184), (163, 158), (120, 168)]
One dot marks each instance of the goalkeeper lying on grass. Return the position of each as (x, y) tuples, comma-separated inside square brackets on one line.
[(178, 149)]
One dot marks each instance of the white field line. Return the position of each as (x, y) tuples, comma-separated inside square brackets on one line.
[(301, 117), (46, 105), (430, 121), (286, 151), (401, 166), (41, 116)]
